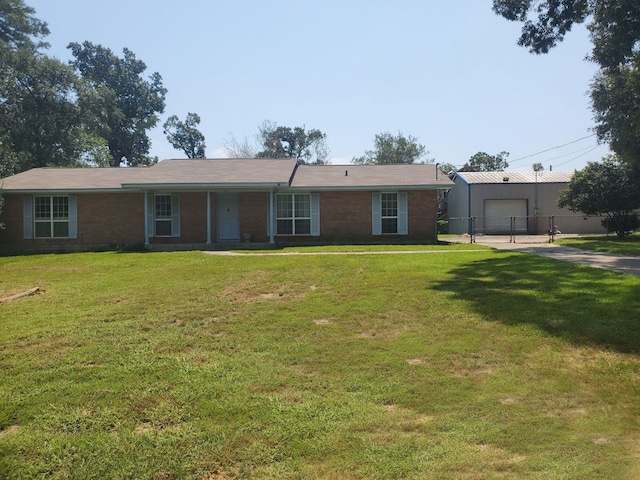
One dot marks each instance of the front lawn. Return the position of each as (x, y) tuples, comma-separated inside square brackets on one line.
[(463, 365), (629, 245)]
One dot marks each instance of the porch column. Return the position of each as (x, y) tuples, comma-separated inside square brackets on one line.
[(271, 219), (146, 217), (208, 217)]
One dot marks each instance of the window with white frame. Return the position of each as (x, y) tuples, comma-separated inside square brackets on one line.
[(51, 217), (162, 215), (389, 212), (293, 214)]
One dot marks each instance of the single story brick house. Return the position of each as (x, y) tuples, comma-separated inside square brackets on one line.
[(216, 203), (497, 202)]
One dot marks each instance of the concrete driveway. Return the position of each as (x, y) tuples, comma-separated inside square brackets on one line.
[(539, 245)]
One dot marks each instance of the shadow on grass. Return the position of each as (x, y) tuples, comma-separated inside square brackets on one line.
[(629, 245), (585, 306)]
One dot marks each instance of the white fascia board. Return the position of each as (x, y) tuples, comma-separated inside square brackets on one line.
[(60, 191), (201, 186), (370, 188)]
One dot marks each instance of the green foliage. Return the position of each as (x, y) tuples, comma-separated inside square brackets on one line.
[(19, 28), (377, 366), (448, 168), (605, 188), (308, 146), (273, 141), (185, 135), (615, 96), (123, 105), (538, 167), (392, 149), (555, 19), (51, 117), (615, 35), (483, 162), (41, 123)]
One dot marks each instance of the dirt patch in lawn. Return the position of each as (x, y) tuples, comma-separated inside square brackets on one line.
[(260, 288)]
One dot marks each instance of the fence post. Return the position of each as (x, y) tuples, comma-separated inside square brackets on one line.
[(473, 229), (512, 230)]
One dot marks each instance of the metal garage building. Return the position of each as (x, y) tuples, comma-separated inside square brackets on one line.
[(520, 202)]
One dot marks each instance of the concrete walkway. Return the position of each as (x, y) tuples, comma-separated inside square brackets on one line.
[(539, 245)]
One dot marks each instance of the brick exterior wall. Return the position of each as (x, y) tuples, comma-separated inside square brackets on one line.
[(345, 217), (104, 219), (109, 219), (193, 220), (254, 208)]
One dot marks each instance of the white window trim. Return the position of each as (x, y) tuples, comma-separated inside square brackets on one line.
[(384, 217), (29, 217), (175, 215), (314, 214), (402, 214)]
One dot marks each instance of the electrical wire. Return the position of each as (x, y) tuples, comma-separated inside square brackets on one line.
[(581, 155), (549, 149)]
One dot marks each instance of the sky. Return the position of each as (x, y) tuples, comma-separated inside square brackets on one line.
[(449, 73)]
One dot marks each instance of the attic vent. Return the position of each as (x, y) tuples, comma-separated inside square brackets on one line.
[(505, 179)]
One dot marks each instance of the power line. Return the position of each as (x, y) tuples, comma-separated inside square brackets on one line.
[(570, 153), (581, 155), (552, 148)]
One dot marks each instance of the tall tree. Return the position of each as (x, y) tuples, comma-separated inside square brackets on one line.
[(274, 141), (308, 146), (185, 135), (483, 162), (615, 34), (448, 169), (40, 123), (19, 28), (605, 188), (123, 104), (391, 149)]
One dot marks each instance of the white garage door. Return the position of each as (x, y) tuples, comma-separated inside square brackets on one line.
[(498, 215)]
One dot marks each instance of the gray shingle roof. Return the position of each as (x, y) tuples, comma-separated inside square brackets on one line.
[(220, 173), (350, 177), (166, 173), (515, 177)]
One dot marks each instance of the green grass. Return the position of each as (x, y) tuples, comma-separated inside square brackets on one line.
[(462, 365), (629, 245)]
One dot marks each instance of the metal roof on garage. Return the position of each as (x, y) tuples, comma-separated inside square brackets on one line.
[(514, 177)]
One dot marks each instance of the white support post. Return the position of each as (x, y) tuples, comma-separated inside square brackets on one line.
[(146, 218), (208, 217), (271, 219)]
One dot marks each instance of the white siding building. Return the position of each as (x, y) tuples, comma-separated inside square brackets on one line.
[(522, 202)]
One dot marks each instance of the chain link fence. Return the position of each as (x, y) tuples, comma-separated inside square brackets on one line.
[(526, 225)]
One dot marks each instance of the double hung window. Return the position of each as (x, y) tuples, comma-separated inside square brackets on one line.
[(293, 214), (389, 212), (51, 217), (162, 215)]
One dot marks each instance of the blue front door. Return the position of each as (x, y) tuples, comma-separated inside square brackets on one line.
[(228, 217)]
